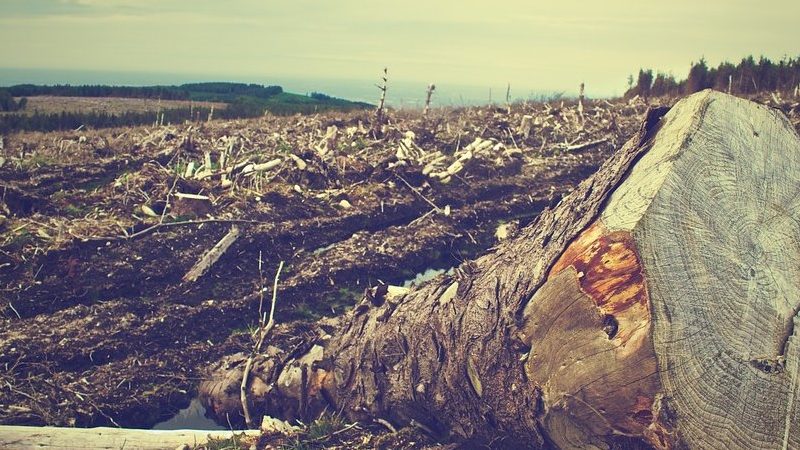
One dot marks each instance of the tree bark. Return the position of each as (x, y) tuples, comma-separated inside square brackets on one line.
[(655, 306)]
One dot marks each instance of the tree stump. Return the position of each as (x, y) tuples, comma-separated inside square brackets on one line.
[(654, 306)]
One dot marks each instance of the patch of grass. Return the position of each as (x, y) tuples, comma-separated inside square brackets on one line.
[(76, 211), (317, 434), (234, 442), (58, 195), (19, 240), (179, 168), (248, 329), (303, 311), (35, 160), (284, 147), (324, 426), (345, 297)]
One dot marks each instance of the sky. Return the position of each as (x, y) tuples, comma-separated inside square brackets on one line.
[(535, 46)]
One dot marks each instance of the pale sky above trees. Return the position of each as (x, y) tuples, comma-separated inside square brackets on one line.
[(550, 45)]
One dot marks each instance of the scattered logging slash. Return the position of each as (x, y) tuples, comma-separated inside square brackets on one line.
[(633, 314), (212, 256)]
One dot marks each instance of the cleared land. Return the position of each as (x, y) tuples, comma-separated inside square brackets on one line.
[(47, 104), (98, 325)]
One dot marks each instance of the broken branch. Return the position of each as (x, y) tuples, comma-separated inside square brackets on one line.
[(264, 327), (212, 256)]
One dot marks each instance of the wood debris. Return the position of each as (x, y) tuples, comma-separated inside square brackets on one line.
[(212, 256)]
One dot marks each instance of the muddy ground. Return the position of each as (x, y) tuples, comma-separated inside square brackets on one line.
[(96, 234)]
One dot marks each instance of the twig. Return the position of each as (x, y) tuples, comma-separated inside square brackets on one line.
[(388, 425), (330, 435), (261, 289), (157, 226), (166, 203), (418, 193), (10, 305), (421, 218), (579, 147), (263, 331)]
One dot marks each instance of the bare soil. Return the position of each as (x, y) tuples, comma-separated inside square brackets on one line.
[(97, 326)]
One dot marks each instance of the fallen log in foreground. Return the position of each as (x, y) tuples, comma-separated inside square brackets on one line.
[(18, 437), (655, 305)]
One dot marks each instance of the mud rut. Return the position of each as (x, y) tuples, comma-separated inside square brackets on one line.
[(98, 329)]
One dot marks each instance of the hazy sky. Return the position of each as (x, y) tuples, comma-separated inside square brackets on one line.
[(551, 45)]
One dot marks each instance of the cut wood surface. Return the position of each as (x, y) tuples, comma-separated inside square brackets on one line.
[(654, 306), (714, 209), (19, 438)]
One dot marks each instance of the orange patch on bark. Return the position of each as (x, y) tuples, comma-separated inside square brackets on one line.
[(610, 273), (608, 266)]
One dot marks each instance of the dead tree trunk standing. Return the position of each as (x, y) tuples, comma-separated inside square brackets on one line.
[(657, 303), (380, 112), (428, 95)]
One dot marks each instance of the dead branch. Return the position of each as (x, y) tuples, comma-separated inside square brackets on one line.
[(380, 113), (587, 145), (158, 226), (508, 98), (212, 256), (429, 93), (264, 328), (418, 193), (169, 195)]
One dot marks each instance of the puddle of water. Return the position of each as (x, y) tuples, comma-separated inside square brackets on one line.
[(428, 274), (193, 417)]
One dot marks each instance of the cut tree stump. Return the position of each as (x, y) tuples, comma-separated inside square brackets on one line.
[(655, 306)]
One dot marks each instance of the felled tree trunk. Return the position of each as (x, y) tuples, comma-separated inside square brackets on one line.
[(656, 304)]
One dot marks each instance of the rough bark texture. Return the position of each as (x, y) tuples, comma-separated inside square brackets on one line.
[(654, 306), (448, 356)]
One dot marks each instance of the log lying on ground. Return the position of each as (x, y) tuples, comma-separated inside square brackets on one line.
[(655, 305), (20, 438)]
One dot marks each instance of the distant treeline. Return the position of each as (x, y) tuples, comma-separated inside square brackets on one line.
[(7, 102), (218, 91), (747, 77), (242, 101)]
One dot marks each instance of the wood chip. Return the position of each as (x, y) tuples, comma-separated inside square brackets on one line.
[(148, 211)]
